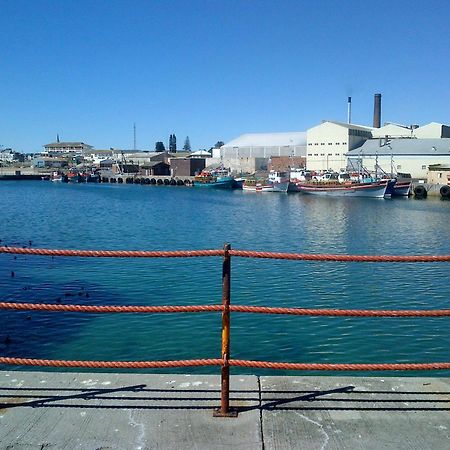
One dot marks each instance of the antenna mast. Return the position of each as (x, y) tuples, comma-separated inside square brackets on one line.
[(134, 136)]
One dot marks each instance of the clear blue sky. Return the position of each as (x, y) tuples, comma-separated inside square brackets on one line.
[(214, 69)]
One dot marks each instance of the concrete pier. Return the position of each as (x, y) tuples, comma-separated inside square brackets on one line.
[(51, 410)]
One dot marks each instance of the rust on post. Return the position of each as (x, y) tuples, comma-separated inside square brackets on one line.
[(224, 410)]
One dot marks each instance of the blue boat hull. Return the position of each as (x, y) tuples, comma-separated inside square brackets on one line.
[(217, 184)]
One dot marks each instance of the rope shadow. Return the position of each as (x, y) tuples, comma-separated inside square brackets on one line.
[(279, 400)]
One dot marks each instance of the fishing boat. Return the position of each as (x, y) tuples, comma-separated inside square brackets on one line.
[(216, 179), (92, 177), (276, 182), (75, 177), (57, 177), (375, 189), (238, 183), (399, 186)]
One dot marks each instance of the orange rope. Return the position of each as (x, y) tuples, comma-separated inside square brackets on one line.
[(111, 364), (219, 308), (219, 362), (112, 253), (341, 312), (348, 258), (109, 309), (239, 253), (315, 366)]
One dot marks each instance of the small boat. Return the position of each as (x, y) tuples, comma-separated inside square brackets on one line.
[(276, 182), (376, 189), (75, 177), (216, 179), (92, 177), (238, 183), (57, 177), (297, 177)]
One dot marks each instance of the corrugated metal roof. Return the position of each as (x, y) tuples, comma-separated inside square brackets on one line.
[(347, 125), (294, 138), (403, 147)]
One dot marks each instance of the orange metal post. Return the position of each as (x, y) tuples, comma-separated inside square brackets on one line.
[(224, 410)]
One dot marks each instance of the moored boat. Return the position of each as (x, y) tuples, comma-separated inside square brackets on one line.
[(400, 186), (75, 177), (376, 189), (57, 177), (276, 182), (213, 179)]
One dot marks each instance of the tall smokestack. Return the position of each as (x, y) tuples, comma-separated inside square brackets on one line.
[(377, 111), (349, 114)]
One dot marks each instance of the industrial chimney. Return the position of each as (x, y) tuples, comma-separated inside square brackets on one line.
[(349, 114), (377, 111)]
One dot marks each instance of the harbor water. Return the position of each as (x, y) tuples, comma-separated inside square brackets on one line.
[(134, 217)]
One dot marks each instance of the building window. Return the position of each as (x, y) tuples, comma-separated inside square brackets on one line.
[(309, 144), (337, 154), (309, 154), (338, 143), (330, 143), (316, 154), (344, 143), (316, 143), (439, 175), (330, 154), (424, 167), (322, 154), (322, 143)]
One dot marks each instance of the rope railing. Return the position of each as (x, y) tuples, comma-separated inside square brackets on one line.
[(225, 362), (238, 253), (232, 308)]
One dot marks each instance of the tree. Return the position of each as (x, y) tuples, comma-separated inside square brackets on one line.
[(172, 143), (159, 147), (187, 145), (219, 144)]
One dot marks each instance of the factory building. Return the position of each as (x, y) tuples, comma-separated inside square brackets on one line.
[(335, 145), (412, 156), (252, 152), (329, 142)]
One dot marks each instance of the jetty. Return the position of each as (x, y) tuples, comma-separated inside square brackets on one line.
[(46, 410), (110, 410)]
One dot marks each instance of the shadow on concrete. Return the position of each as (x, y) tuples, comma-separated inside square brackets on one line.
[(202, 399)]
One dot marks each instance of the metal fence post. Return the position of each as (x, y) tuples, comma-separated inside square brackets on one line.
[(224, 410)]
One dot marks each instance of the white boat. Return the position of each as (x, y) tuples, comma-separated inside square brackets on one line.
[(276, 182), (56, 177)]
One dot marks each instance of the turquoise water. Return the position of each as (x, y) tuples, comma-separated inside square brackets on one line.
[(134, 217)]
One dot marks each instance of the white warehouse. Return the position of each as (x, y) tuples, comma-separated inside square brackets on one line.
[(264, 145), (252, 152), (329, 142), (412, 156)]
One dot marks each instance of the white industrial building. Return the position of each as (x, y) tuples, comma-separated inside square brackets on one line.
[(329, 142), (412, 156), (251, 152), (264, 145), (433, 130)]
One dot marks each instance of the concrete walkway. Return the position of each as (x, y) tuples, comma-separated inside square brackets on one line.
[(48, 410)]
